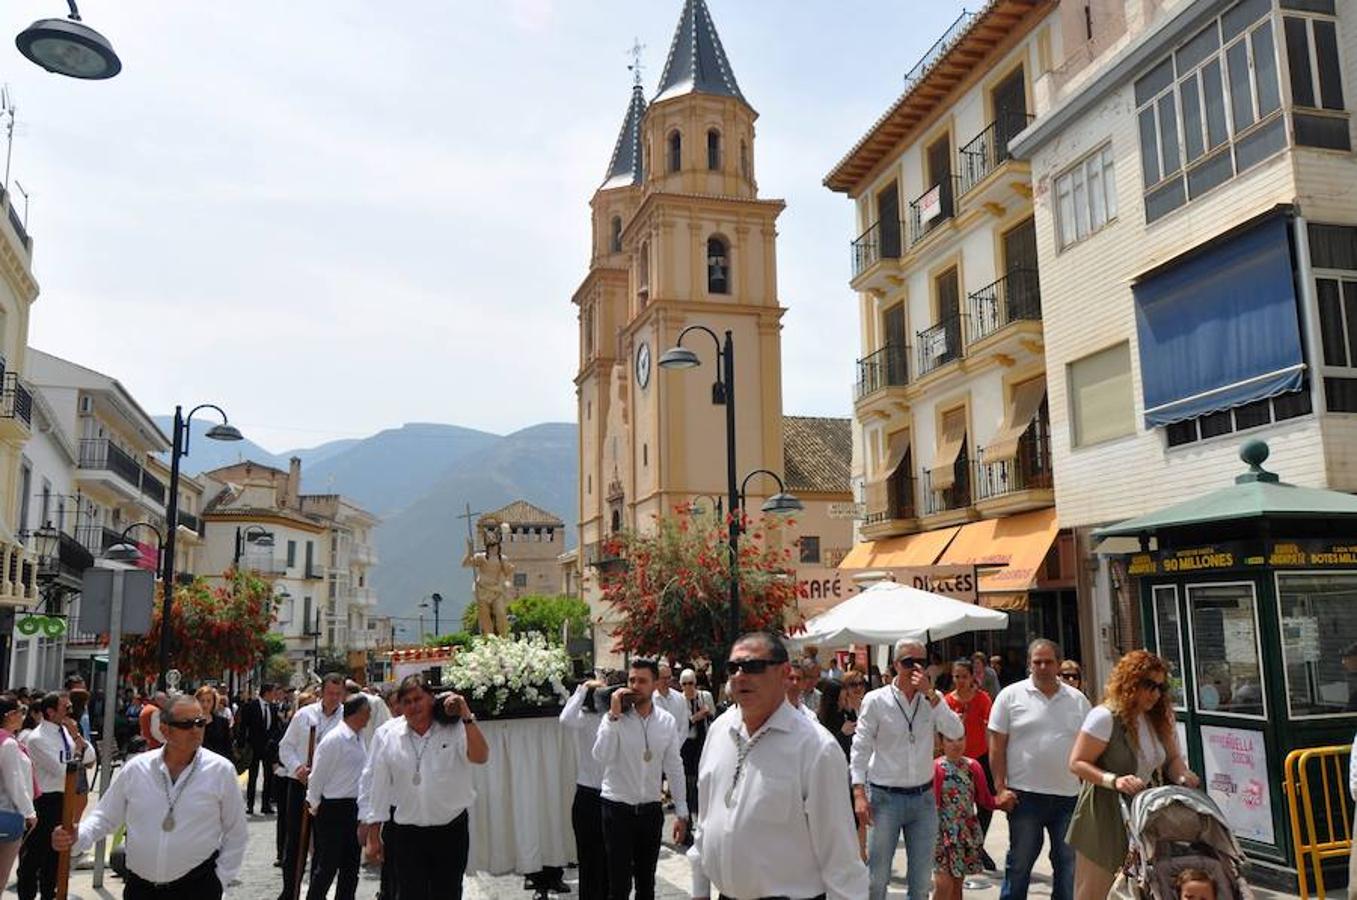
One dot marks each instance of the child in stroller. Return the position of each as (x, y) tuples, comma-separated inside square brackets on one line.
[(1179, 838)]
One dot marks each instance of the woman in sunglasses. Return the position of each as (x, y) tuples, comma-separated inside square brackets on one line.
[(1126, 743), (1071, 674)]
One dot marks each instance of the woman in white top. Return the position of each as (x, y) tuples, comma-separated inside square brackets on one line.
[(16, 781)]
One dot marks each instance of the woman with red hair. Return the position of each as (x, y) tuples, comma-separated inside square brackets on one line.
[(1125, 744)]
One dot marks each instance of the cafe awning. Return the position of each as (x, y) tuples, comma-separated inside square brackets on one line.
[(1008, 551), (920, 549)]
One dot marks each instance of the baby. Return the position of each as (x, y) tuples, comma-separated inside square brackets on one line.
[(1194, 884)]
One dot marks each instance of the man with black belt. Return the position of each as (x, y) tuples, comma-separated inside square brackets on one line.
[(636, 742), (580, 716), (185, 818), (323, 716), (390, 850), (50, 746), (332, 794), (893, 753), (773, 818), (421, 767), (260, 728)]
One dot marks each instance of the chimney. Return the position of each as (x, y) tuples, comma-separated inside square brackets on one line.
[(294, 483)]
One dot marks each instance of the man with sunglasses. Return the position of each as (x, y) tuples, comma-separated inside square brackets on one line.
[(185, 817), (292, 756), (50, 746), (892, 765), (772, 815)]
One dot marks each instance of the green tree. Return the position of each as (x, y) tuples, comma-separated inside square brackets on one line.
[(546, 615)]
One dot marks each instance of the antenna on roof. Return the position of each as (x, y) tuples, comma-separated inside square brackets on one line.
[(636, 67), (7, 110)]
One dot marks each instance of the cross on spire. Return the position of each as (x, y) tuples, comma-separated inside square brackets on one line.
[(636, 67)]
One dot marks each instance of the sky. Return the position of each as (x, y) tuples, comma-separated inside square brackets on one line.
[(334, 218)]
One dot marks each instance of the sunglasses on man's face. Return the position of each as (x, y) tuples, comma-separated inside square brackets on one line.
[(186, 724), (749, 666)]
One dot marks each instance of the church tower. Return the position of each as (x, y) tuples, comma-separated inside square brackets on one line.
[(681, 238)]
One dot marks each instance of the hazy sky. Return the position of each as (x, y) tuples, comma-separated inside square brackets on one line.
[(332, 218)]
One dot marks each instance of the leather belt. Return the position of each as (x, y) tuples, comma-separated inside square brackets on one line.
[(906, 791)]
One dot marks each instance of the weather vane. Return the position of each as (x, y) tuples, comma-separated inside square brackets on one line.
[(637, 48)]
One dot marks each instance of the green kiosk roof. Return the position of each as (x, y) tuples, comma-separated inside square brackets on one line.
[(1257, 494)]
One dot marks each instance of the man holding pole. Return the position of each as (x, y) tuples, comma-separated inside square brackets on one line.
[(295, 758), (185, 818), (50, 746), (332, 796)]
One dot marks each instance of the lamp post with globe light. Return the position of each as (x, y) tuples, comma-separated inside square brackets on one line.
[(69, 47)]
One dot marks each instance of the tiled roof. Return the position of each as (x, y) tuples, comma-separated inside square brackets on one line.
[(624, 169), (697, 62), (817, 454), (521, 512)]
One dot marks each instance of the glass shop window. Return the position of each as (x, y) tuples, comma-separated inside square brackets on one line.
[(1229, 676), (1319, 642), (1170, 640)]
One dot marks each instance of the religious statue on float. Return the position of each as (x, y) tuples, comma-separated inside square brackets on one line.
[(494, 578)]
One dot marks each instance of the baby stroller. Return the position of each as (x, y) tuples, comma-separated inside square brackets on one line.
[(1175, 828)]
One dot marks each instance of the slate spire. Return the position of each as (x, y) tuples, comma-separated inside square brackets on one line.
[(624, 169), (697, 62)]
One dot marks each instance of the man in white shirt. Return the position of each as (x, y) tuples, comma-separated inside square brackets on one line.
[(796, 696), (292, 757), (635, 745), (422, 768), (1032, 728), (581, 719), (893, 754), (50, 746), (766, 775), (185, 818), (332, 795), (667, 697), (390, 843)]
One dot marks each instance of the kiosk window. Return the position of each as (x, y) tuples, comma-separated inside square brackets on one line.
[(1319, 626), (1170, 642), (1225, 648)]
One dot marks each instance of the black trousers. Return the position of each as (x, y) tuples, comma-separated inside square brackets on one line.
[(691, 754), (337, 850), (390, 851), (432, 859), (985, 815), (279, 790), (296, 799), (258, 762), (631, 835), (201, 883), (37, 859), (586, 815)]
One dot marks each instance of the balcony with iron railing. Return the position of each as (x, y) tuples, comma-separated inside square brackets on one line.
[(956, 497), (940, 344), (191, 522), (1029, 471), (16, 407), (1014, 298), (883, 240), (97, 538), (887, 367), (988, 150), (932, 208), (900, 508), (106, 462)]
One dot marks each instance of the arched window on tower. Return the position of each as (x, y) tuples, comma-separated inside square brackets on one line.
[(713, 149), (615, 238), (744, 160), (675, 151), (718, 266), (643, 271)]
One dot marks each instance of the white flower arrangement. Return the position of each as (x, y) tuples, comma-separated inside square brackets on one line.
[(501, 672)]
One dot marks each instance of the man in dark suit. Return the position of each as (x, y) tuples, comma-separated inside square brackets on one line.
[(261, 728)]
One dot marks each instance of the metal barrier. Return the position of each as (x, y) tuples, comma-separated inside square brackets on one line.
[(1317, 838)]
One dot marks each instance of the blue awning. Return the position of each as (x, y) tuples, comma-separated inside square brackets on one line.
[(1220, 329)]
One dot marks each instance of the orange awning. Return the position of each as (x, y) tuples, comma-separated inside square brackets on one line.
[(1005, 602), (920, 549), (1009, 550)]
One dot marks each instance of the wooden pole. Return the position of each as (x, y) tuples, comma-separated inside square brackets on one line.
[(68, 823), (304, 836)]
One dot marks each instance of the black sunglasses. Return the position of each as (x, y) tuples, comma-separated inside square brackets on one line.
[(751, 666), (1071, 676), (186, 724), (913, 662)]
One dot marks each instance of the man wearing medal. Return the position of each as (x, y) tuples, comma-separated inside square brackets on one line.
[(892, 768), (185, 817), (636, 743), (773, 818), (293, 757)]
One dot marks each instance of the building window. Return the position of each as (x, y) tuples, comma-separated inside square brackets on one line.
[(1086, 197), (1337, 301), (1241, 418), (1224, 639), (810, 549), (1101, 403), (714, 150), (520, 579), (1319, 622), (291, 554), (718, 266), (1210, 110), (1315, 72), (643, 270), (615, 235), (675, 151), (744, 161)]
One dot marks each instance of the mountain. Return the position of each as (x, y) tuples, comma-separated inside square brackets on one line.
[(205, 454), (421, 547)]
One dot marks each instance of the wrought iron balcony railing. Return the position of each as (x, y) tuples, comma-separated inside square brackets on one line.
[(16, 402), (935, 206), (1030, 470), (958, 496), (989, 149), (899, 502), (887, 367), (1015, 297), (940, 344), (884, 240)]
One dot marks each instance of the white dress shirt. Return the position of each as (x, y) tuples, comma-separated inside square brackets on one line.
[(882, 751), (583, 727), (365, 780), (763, 843), (620, 748), (1041, 732), (50, 746), (440, 756), (673, 703), (16, 779), (209, 817), (292, 748), (340, 758)]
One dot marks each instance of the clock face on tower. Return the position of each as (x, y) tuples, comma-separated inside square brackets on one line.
[(643, 365)]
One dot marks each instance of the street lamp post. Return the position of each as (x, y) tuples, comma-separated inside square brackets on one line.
[(253, 534), (69, 47), (180, 447), (436, 599)]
